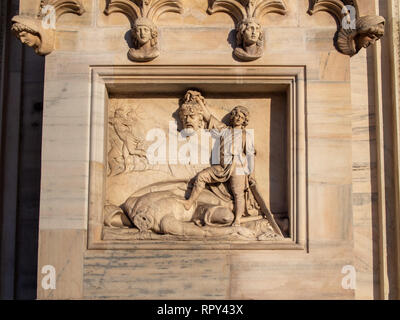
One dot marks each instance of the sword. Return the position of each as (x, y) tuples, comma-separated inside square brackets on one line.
[(264, 209)]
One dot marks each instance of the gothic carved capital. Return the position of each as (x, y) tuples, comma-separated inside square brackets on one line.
[(246, 15), (143, 15), (39, 32)]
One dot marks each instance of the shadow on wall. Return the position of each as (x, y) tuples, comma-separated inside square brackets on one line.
[(20, 163), (278, 171)]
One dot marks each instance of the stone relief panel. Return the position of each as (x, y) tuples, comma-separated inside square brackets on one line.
[(246, 15), (39, 32), (201, 169), (143, 15), (354, 32)]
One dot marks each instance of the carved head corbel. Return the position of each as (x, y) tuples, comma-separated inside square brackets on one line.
[(246, 15), (39, 32), (143, 15), (31, 33), (369, 29), (354, 32)]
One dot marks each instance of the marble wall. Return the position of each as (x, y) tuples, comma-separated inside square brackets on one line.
[(340, 193)]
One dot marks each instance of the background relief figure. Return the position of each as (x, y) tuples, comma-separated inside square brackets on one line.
[(126, 149)]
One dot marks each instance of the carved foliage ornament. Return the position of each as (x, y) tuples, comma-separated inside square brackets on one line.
[(39, 32), (143, 15), (354, 32), (62, 7), (246, 15), (335, 7)]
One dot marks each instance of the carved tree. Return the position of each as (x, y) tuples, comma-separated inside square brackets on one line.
[(354, 32), (143, 13), (246, 14), (35, 32)]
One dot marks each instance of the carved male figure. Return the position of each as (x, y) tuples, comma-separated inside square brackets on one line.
[(144, 35), (233, 164), (249, 40), (369, 29)]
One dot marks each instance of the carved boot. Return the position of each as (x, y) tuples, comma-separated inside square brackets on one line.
[(239, 209), (193, 197)]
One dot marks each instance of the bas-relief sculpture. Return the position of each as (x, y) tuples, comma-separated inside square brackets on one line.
[(143, 15), (246, 15), (36, 32), (223, 203), (358, 32)]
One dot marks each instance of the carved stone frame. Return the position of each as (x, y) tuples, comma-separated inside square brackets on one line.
[(107, 80)]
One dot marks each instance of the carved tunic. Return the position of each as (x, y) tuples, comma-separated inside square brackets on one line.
[(232, 153), (233, 160)]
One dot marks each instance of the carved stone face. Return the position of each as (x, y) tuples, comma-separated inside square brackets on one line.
[(367, 39), (251, 34), (118, 113), (238, 119), (29, 39), (369, 30), (143, 34), (30, 32), (364, 41), (191, 119)]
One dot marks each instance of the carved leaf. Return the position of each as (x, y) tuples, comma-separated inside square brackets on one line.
[(345, 2), (128, 7), (151, 9), (63, 6), (334, 7), (240, 9), (265, 7), (162, 6), (232, 7)]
